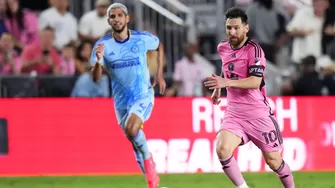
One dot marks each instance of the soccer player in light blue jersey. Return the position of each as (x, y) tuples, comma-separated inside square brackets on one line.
[(123, 54)]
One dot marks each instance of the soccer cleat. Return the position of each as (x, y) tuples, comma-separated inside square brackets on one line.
[(154, 183), (151, 174)]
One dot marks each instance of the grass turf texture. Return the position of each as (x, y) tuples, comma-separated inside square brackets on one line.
[(255, 180)]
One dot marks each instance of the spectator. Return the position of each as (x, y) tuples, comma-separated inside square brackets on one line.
[(188, 75), (83, 56), (64, 23), (207, 66), (93, 25), (267, 27), (309, 82), (2, 16), (41, 57), (67, 63), (9, 59), (329, 28), (22, 24), (306, 28)]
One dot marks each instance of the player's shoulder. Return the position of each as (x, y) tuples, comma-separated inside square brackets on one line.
[(253, 47), (138, 32), (223, 44), (105, 38)]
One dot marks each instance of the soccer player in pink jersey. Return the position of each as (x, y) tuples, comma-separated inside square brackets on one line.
[(248, 116)]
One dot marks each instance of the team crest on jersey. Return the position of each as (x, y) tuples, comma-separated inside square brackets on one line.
[(231, 66), (135, 48)]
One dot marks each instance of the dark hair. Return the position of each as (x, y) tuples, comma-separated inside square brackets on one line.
[(48, 28), (268, 4), (19, 15), (80, 48), (309, 61), (234, 13), (69, 45)]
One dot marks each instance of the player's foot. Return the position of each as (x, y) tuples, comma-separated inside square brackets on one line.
[(151, 175), (154, 183)]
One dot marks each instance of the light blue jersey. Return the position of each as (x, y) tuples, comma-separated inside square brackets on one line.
[(129, 74)]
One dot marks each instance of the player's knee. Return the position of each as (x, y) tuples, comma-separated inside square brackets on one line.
[(131, 130), (224, 151), (273, 161)]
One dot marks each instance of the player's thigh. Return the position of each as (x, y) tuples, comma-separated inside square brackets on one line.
[(121, 116), (139, 112), (142, 108), (264, 132), (229, 137)]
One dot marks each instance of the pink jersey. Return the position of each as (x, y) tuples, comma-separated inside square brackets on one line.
[(241, 63)]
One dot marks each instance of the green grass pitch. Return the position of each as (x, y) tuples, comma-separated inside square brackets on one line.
[(255, 180)]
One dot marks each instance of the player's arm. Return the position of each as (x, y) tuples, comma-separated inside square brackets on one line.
[(152, 43), (252, 82), (160, 60), (97, 61), (96, 72), (256, 67)]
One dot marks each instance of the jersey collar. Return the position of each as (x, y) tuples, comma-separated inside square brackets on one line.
[(121, 42)]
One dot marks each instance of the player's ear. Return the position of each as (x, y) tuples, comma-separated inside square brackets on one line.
[(127, 19), (246, 28)]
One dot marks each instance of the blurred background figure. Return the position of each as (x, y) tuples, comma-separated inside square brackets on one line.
[(267, 27), (83, 55), (288, 31), (188, 75), (9, 60), (93, 25), (86, 87), (306, 28), (22, 24), (42, 57), (63, 22), (67, 63), (309, 83), (3, 9)]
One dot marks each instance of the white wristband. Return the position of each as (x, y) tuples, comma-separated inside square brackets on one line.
[(99, 61)]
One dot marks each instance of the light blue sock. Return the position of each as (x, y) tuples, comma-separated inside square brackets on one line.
[(140, 143), (139, 158)]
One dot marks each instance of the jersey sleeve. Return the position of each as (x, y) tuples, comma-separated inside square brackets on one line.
[(151, 41), (94, 58), (256, 61)]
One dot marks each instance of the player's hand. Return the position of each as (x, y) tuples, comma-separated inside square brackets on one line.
[(215, 82), (99, 51), (216, 96), (161, 82)]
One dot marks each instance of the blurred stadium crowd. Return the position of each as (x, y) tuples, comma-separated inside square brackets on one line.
[(45, 46)]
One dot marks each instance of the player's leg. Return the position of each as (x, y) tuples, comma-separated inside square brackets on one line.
[(138, 114), (229, 138), (122, 117), (270, 141), (136, 135), (139, 157)]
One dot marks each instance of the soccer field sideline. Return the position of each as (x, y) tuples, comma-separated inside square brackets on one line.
[(217, 180)]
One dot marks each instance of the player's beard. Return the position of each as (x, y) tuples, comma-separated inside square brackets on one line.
[(236, 41), (119, 30)]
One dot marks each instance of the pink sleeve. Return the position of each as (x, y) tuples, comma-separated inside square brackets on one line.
[(27, 54), (256, 62), (177, 72), (32, 25), (56, 59), (17, 63)]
